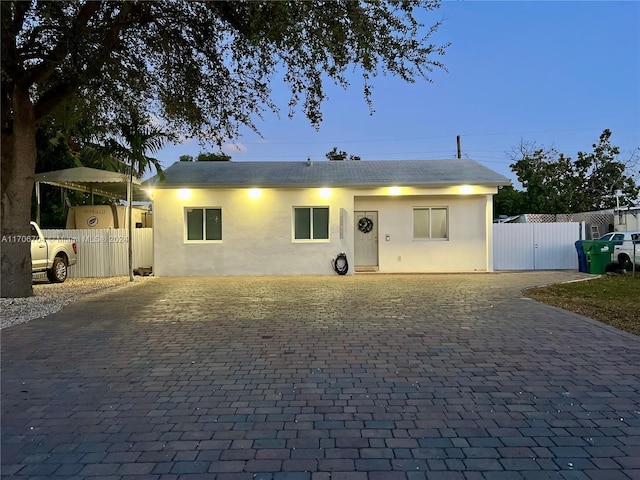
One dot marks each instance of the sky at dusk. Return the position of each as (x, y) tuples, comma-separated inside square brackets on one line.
[(554, 73)]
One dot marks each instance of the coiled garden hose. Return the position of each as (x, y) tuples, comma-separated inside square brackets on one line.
[(340, 264)]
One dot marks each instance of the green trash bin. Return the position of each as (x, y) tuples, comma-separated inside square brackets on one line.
[(586, 245), (599, 256)]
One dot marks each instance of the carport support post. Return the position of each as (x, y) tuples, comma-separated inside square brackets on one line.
[(129, 223), (38, 203)]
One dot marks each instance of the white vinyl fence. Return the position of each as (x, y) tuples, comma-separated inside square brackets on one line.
[(104, 253), (536, 246)]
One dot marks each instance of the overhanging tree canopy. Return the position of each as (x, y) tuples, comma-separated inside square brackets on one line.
[(204, 68)]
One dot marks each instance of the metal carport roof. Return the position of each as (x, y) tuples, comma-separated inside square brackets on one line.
[(92, 180)]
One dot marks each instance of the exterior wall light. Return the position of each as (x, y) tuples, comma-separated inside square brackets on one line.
[(184, 193), (325, 192), (395, 191), (466, 189), (255, 193)]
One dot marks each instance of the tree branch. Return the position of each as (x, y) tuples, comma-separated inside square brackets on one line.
[(44, 70), (56, 95), (13, 15)]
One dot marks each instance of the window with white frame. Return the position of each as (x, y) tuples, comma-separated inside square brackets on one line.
[(430, 223), (311, 223), (203, 224)]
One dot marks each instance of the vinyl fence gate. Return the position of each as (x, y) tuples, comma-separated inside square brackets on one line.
[(536, 246)]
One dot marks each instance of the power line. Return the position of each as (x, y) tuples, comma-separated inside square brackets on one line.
[(434, 137)]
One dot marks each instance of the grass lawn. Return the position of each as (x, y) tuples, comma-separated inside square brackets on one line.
[(612, 299)]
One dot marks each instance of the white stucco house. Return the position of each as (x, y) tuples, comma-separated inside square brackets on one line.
[(294, 218)]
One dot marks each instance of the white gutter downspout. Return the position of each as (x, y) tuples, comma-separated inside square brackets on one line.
[(489, 237)]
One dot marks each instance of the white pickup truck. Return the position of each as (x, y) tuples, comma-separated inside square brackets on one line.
[(626, 249), (51, 256)]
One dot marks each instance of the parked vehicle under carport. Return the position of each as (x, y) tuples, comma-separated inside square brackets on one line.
[(53, 256)]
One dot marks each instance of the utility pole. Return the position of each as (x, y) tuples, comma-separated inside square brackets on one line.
[(459, 149)]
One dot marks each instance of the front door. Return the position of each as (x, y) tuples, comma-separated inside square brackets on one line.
[(366, 239)]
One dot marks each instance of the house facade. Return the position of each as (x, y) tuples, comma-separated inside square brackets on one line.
[(294, 218)]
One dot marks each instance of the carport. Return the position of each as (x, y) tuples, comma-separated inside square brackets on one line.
[(113, 185)]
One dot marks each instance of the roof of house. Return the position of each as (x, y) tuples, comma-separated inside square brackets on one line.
[(364, 173)]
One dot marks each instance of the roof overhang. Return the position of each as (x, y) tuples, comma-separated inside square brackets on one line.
[(327, 174), (160, 185)]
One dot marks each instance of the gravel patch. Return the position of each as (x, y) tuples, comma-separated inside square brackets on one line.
[(49, 298)]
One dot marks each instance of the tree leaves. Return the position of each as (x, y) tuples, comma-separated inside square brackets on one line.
[(554, 183), (206, 67), (334, 154)]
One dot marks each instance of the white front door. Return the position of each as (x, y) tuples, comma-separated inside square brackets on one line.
[(366, 239)]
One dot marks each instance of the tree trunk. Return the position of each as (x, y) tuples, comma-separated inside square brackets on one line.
[(18, 170)]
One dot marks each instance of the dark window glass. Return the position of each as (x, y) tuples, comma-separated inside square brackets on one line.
[(321, 223), (214, 223), (302, 221), (194, 224)]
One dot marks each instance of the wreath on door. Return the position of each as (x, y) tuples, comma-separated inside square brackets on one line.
[(365, 225)]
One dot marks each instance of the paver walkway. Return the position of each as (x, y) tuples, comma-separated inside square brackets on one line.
[(315, 378)]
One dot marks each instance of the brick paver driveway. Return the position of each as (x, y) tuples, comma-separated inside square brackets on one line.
[(365, 377)]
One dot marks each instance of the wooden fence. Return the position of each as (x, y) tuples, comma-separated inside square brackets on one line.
[(104, 253)]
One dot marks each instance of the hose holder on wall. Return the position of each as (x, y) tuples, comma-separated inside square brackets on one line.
[(340, 264)]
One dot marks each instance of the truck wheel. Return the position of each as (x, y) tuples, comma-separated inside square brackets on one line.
[(58, 272), (625, 262)]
